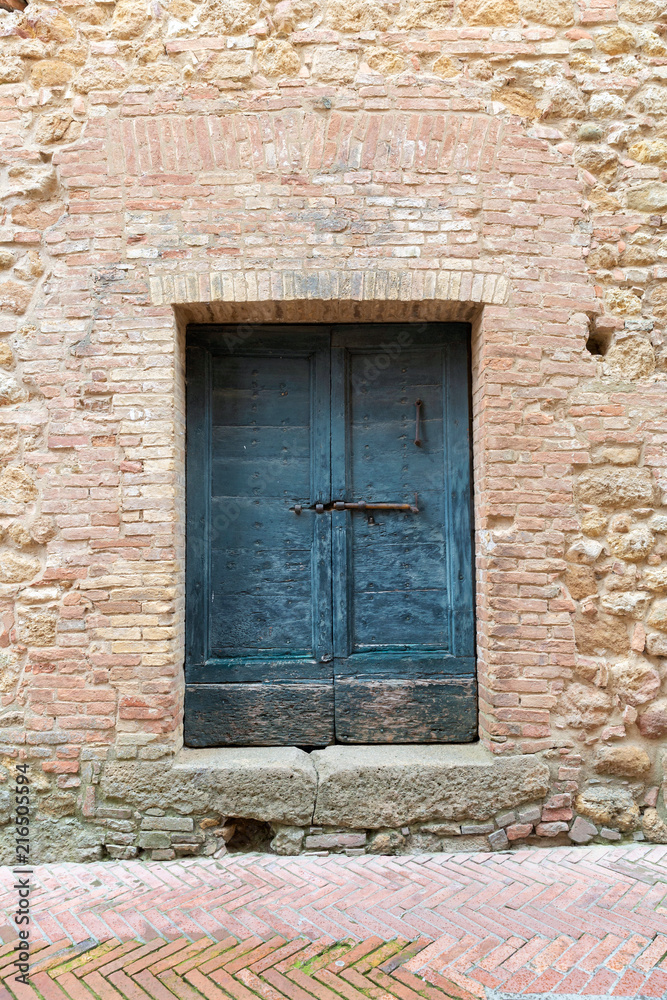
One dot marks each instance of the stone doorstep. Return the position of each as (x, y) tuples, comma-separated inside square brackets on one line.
[(357, 787)]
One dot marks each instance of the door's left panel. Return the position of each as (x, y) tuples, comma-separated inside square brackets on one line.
[(258, 614)]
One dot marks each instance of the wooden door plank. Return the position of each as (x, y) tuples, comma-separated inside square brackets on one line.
[(278, 714), (320, 491), (406, 662), (406, 710), (340, 519)]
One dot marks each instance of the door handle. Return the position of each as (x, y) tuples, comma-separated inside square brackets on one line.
[(418, 415), (320, 508)]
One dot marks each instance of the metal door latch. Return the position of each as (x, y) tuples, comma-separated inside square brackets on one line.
[(320, 508), (370, 505)]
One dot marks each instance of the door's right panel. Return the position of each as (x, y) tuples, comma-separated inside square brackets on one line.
[(404, 644)]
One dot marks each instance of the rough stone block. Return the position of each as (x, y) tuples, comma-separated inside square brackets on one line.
[(498, 840), (582, 831), (550, 829), (612, 487), (264, 783), (121, 853), (476, 829), (519, 830), (437, 829), (653, 827), (374, 787), (606, 805), (321, 840), (630, 761), (529, 814), (177, 824), (556, 815), (120, 839), (154, 838)]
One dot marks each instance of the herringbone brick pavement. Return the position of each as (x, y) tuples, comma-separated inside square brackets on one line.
[(535, 923)]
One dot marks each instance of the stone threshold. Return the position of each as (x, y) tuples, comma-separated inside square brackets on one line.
[(357, 787)]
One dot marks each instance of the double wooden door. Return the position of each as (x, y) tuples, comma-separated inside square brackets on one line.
[(329, 557)]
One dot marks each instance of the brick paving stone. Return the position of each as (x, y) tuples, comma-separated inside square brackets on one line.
[(600, 952), (569, 958), (600, 983), (311, 928), (500, 954), (628, 951), (656, 984), (47, 987), (430, 954), (574, 982), (520, 981), (548, 981), (523, 955), (486, 978), (656, 951), (630, 983), (546, 958), (102, 956)]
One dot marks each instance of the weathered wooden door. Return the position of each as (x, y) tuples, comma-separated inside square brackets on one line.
[(329, 569)]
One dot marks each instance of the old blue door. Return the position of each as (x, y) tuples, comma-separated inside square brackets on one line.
[(329, 556)]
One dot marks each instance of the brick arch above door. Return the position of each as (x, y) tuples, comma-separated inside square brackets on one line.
[(351, 205), (334, 287), (354, 206)]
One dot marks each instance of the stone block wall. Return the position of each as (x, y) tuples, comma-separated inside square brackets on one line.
[(500, 161)]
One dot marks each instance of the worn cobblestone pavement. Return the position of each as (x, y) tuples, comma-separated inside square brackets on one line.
[(549, 923)]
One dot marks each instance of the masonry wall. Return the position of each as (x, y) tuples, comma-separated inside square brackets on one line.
[(502, 162)]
